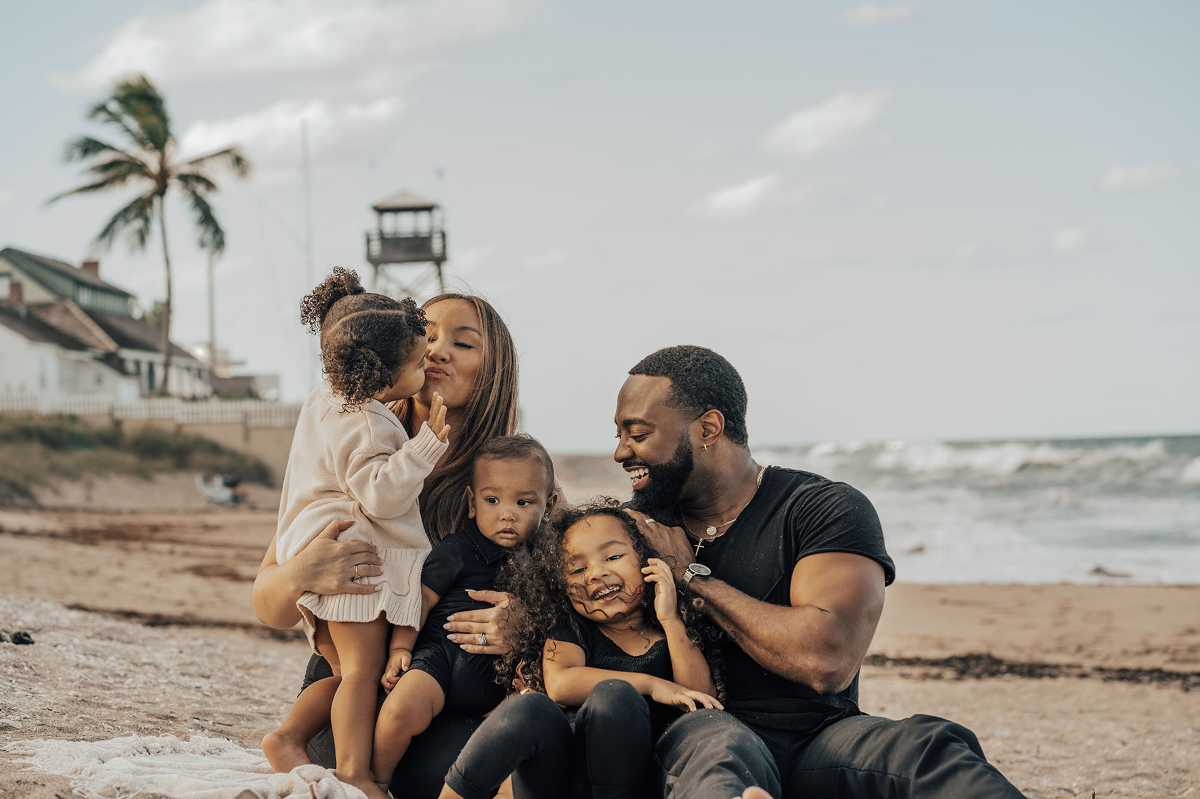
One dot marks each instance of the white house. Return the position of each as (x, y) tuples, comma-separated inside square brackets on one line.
[(66, 332)]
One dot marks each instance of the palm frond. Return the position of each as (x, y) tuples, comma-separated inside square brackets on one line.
[(107, 112), (126, 167), (196, 182), (231, 157), (139, 101), (86, 147), (136, 218), (212, 235), (106, 182)]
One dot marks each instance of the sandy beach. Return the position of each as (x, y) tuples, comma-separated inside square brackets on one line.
[(142, 624)]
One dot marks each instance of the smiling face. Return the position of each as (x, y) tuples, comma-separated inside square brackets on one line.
[(602, 569), (654, 444), (454, 354), (508, 498)]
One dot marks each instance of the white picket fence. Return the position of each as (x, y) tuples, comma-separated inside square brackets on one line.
[(255, 413)]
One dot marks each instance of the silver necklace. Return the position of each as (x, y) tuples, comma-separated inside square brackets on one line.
[(711, 532)]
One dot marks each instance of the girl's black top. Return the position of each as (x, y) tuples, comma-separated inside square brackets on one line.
[(600, 652)]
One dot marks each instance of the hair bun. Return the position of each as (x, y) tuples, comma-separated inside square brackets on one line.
[(341, 282)]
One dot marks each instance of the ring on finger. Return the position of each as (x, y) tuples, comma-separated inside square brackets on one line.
[(354, 579), (483, 639)]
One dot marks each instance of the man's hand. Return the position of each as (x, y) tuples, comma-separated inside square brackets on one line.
[(671, 543), (398, 662)]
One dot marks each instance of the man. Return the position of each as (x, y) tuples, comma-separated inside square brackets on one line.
[(792, 567)]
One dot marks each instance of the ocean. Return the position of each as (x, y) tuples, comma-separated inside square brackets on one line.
[(1103, 510)]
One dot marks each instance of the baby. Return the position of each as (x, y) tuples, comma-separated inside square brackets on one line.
[(511, 492)]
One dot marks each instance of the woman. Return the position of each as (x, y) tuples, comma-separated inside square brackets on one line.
[(472, 363)]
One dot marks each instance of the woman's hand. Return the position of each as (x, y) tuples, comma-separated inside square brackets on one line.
[(330, 566), (666, 598), (484, 631), (670, 693)]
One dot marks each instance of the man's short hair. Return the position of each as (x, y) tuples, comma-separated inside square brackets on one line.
[(701, 380)]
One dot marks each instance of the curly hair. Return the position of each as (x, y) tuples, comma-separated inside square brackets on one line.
[(701, 380), (365, 337), (537, 578)]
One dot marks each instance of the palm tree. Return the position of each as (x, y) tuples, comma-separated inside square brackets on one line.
[(148, 163)]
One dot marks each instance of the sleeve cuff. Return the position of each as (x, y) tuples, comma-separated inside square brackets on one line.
[(427, 446)]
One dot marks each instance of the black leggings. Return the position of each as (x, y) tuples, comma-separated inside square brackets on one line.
[(606, 756)]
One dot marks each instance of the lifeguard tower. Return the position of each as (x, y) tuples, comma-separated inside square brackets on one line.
[(408, 246)]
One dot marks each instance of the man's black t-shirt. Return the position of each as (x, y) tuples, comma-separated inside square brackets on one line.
[(794, 514)]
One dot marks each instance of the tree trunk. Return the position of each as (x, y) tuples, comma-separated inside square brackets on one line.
[(165, 340)]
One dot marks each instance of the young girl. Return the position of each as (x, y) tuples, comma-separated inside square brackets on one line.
[(511, 489), (593, 637), (351, 459)]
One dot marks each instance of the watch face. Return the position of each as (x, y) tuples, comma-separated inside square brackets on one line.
[(700, 570)]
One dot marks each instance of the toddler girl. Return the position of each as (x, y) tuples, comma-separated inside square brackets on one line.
[(351, 459), (593, 637)]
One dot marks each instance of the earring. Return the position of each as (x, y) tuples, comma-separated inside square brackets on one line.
[(705, 447)]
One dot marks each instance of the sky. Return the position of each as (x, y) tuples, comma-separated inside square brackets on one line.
[(905, 220)]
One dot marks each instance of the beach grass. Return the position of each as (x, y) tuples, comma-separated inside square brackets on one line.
[(34, 451)]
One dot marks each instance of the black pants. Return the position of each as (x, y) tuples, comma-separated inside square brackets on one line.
[(710, 753), (607, 754)]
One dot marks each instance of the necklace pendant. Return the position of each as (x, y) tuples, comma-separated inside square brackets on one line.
[(710, 531)]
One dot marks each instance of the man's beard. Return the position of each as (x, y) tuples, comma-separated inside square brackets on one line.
[(666, 481)]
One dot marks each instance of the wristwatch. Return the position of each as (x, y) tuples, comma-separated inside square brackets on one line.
[(693, 571)]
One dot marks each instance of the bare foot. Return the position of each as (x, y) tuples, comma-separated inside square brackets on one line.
[(755, 793), (283, 752), (365, 784)]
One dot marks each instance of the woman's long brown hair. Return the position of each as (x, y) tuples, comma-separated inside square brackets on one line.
[(491, 411)]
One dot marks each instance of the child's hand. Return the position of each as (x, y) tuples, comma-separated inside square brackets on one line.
[(398, 662), (666, 599), (666, 692), (437, 417)]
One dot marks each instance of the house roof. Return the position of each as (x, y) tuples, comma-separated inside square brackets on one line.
[(134, 334), (38, 267), (25, 323), (404, 201)]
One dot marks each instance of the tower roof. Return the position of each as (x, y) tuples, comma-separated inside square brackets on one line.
[(404, 201)]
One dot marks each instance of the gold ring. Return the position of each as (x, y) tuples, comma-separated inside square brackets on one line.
[(354, 579)]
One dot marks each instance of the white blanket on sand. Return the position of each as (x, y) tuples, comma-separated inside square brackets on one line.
[(163, 765)]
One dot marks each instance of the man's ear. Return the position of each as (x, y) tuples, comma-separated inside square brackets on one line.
[(470, 503), (712, 425)]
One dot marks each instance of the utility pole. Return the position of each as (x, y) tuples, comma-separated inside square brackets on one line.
[(308, 244), (212, 315)]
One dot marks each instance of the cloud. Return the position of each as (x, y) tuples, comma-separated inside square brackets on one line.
[(875, 14), (1139, 176), (355, 39), (740, 199), (1070, 239), (826, 125), (271, 136), (545, 260)]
